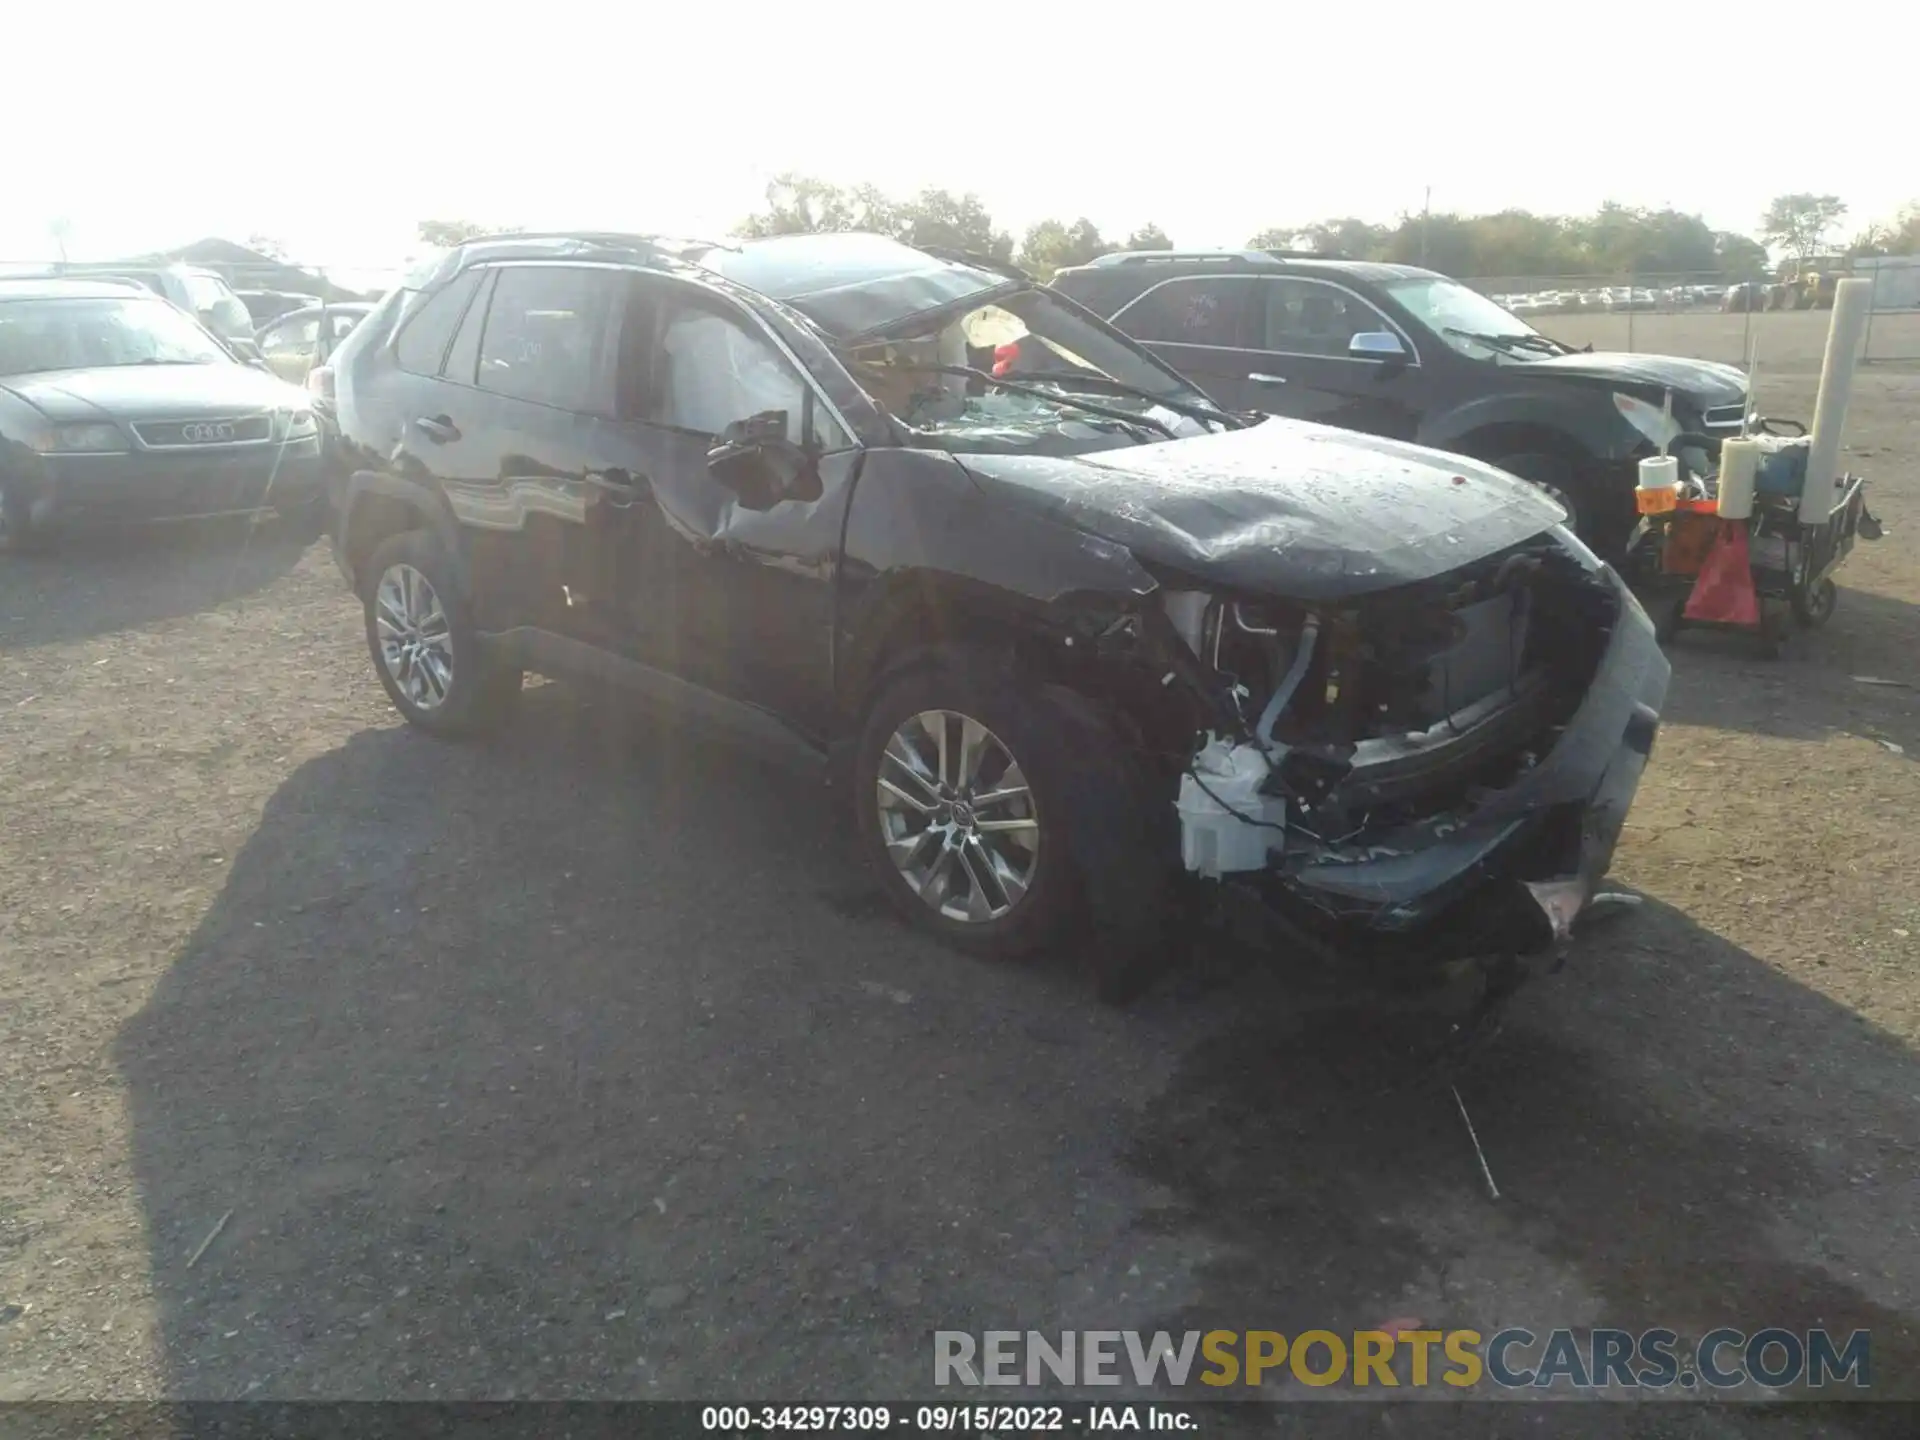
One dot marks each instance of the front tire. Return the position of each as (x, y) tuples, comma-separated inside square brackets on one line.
[(1552, 473), (425, 650), (17, 533), (993, 816)]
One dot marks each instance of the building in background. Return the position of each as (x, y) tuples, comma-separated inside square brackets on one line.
[(246, 269)]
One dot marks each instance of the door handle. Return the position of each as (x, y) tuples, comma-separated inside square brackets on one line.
[(437, 428), (1261, 378)]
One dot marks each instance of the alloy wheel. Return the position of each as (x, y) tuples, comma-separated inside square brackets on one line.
[(416, 639), (957, 816)]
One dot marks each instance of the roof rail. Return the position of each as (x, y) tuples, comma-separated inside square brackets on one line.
[(610, 239), (1162, 257)]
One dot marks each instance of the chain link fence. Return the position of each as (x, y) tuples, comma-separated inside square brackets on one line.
[(1710, 317), (1893, 323)]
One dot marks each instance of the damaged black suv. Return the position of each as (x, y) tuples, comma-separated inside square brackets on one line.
[(1067, 633)]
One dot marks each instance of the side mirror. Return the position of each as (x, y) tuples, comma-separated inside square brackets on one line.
[(1382, 345), (756, 461)]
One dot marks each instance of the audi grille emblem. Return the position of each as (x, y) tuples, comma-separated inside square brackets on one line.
[(206, 432)]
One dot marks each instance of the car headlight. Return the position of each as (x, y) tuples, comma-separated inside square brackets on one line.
[(1650, 420), (299, 425), (93, 437)]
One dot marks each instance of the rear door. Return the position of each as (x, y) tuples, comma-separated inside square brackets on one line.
[(1204, 326), (527, 387)]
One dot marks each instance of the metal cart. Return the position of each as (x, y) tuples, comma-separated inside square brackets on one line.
[(1792, 563)]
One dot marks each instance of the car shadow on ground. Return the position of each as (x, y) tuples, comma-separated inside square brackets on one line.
[(102, 583), (1822, 683), (567, 1066), (1656, 1119)]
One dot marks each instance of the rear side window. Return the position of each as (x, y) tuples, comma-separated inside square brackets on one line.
[(1203, 310), (217, 307), (426, 333), (546, 336)]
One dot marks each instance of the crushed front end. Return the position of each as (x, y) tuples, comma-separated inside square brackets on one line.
[(1429, 775)]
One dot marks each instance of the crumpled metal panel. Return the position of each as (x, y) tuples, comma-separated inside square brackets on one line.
[(1285, 508)]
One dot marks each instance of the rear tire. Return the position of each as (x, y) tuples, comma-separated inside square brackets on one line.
[(420, 634), (950, 844), (1604, 521)]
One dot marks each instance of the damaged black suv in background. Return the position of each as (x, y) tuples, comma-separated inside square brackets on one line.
[(1068, 634), (1403, 352)]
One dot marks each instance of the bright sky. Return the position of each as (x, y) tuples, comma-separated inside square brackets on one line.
[(144, 127)]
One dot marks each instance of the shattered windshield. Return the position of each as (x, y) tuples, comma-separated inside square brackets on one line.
[(1470, 322), (1023, 373)]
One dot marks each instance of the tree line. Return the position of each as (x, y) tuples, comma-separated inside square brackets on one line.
[(1614, 240)]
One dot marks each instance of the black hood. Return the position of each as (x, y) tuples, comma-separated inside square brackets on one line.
[(146, 392), (1306, 512), (1706, 382)]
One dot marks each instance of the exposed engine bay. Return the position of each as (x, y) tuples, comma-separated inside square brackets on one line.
[(1373, 763), (1373, 726)]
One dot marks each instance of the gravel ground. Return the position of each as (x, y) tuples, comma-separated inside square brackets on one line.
[(578, 1064)]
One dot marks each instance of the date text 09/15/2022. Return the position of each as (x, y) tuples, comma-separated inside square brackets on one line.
[(946, 1419)]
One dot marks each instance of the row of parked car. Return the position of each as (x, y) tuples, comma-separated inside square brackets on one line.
[(1080, 616), (1614, 299)]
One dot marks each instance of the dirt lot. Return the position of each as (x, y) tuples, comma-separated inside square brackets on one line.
[(578, 1065)]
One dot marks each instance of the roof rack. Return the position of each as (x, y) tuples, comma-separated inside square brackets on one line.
[(1163, 257), (606, 239)]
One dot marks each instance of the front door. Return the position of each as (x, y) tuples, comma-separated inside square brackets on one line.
[(734, 599), (1280, 345), (1303, 362)]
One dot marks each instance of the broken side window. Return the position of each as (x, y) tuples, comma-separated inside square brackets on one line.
[(709, 369)]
